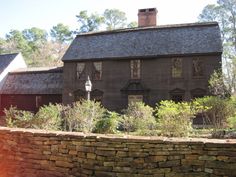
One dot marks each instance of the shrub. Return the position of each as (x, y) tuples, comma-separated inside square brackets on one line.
[(109, 123), (217, 85), (18, 118), (232, 122), (49, 117), (83, 116), (138, 116), (231, 119), (69, 117), (147, 132), (175, 119), (216, 110)]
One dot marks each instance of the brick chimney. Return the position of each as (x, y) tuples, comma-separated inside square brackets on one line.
[(147, 17)]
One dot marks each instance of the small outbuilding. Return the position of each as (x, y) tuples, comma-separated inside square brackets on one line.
[(28, 89)]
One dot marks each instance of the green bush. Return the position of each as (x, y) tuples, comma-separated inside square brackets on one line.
[(83, 116), (217, 85), (232, 122), (137, 117), (147, 132), (49, 117), (18, 118), (175, 119), (109, 123), (232, 119), (216, 110)]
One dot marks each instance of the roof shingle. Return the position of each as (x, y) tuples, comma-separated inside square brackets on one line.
[(33, 82), (5, 60), (195, 38)]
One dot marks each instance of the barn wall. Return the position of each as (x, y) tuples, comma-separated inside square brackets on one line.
[(28, 102)]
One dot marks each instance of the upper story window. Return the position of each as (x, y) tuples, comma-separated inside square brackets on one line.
[(176, 67), (135, 69), (80, 70), (97, 74), (197, 67)]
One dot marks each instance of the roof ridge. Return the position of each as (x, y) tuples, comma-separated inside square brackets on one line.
[(15, 53), (181, 25), (36, 70)]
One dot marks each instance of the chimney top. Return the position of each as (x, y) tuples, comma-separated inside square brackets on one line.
[(148, 10), (147, 17)]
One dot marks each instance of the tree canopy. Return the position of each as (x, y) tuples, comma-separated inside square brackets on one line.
[(61, 33), (35, 37), (114, 19), (15, 42), (224, 12), (35, 45), (42, 48), (109, 20), (89, 22)]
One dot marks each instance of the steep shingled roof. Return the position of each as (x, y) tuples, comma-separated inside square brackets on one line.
[(29, 81), (5, 60), (182, 39)]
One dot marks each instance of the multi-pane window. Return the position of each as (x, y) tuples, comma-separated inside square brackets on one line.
[(97, 74), (135, 98), (197, 67), (80, 70), (176, 67), (135, 69)]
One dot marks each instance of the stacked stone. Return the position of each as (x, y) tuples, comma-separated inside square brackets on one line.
[(33, 153)]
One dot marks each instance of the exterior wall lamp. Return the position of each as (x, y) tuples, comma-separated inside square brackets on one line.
[(88, 87)]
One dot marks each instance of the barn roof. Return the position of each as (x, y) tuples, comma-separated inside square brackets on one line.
[(182, 39), (5, 60), (34, 81)]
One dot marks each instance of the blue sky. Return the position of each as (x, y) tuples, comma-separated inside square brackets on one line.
[(22, 14)]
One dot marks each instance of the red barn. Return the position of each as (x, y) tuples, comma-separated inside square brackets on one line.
[(28, 89)]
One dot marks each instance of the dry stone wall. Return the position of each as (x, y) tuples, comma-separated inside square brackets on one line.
[(32, 153)]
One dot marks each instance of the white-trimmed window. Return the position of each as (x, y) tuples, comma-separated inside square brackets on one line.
[(135, 98), (135, 69), (176, 67), (80, 70), (97, 75)]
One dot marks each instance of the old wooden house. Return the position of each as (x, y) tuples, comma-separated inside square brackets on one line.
[(148, 63)]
